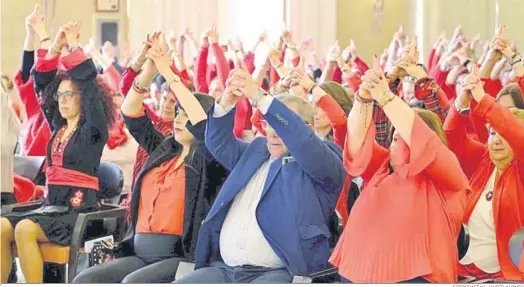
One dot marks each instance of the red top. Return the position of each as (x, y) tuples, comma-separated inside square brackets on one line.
[(508, 199), (162, 200), (405, 224), (39, 132)]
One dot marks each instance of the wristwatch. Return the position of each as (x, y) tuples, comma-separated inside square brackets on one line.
[(387, 97), (256, 99)]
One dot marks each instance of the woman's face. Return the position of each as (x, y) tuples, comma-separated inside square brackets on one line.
[(167, 106), (68, 100), (321, 120), (500, 152), (182, 134), (214, 89), (398, 150), (154, 91)]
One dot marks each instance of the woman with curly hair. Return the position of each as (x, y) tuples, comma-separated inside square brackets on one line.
[(79, 109)]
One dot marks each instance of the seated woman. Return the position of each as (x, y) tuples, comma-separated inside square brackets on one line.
[(495, 207), (174, 190), (405, 224), (79, 109)]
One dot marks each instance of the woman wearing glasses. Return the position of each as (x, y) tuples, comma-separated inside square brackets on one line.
[(79, 109)]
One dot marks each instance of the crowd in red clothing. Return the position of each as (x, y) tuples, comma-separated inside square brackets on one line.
[(436, 146)]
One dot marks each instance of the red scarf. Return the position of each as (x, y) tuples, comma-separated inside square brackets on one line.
[(117, 134)]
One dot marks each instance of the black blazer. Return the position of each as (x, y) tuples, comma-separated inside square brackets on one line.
[(204, 177)]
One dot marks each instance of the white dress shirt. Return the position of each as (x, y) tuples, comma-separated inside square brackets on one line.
[(241, 240), (483, 243)]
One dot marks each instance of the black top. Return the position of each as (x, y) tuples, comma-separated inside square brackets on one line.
[(28, 59), (84, 148), (204, 176)]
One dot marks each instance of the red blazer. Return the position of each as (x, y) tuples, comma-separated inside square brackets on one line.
[(508, 200)]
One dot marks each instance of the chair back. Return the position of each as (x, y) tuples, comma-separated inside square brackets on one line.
[(353, 193), (29, 167), (110, 180), (463, 241), (516, 249)]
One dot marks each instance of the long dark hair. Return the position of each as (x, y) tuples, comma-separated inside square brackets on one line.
[(50, 105)]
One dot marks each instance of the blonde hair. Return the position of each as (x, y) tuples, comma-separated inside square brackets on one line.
[(518, 112), (432, 120)]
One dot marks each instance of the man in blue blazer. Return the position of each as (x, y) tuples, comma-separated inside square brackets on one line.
[(269, 221)]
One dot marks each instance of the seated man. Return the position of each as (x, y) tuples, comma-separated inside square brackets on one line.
[(269, 221)]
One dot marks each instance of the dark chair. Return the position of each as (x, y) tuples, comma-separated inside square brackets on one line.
[(463, 241), (30, 167), (110, 183)]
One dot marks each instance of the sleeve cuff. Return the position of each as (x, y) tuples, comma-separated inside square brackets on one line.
[(219, 111), (137, 115), (484, 105), (46, 65), (72, 60), (264, 104)]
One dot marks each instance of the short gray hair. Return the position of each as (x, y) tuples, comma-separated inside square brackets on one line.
[(300, 105)]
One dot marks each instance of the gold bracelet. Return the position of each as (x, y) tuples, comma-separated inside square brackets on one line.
[(387, 97), (139, 87)]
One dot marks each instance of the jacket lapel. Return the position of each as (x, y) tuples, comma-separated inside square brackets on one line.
[(274, 169)]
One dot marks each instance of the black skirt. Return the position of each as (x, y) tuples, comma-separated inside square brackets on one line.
[(56, 221)]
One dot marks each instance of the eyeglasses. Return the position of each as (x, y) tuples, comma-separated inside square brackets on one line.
[(68, 95)]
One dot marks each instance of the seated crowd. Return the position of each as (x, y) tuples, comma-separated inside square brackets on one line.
[(241, 169)]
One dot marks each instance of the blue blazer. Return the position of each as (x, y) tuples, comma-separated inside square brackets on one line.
[(298, 197)]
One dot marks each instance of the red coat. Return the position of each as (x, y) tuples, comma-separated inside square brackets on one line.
[(508, 199)]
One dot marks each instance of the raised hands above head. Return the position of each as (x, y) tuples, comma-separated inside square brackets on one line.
[(159, 54), (349, 53), (212, 35), (298, 77), (241, 84), (375, 81), (408, 62), (172, 40), (473, 84), (333, 53), (35, 22)]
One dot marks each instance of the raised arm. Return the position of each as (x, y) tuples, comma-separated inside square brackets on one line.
[(136, 120), (200, 72), (160, 55), (468, 151), (81, 69), (219, 137), (335, 114), (427, 153)]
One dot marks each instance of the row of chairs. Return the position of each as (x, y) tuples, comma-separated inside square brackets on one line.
[(112, 217)]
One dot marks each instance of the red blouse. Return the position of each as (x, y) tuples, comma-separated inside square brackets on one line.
[(405, 224)]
